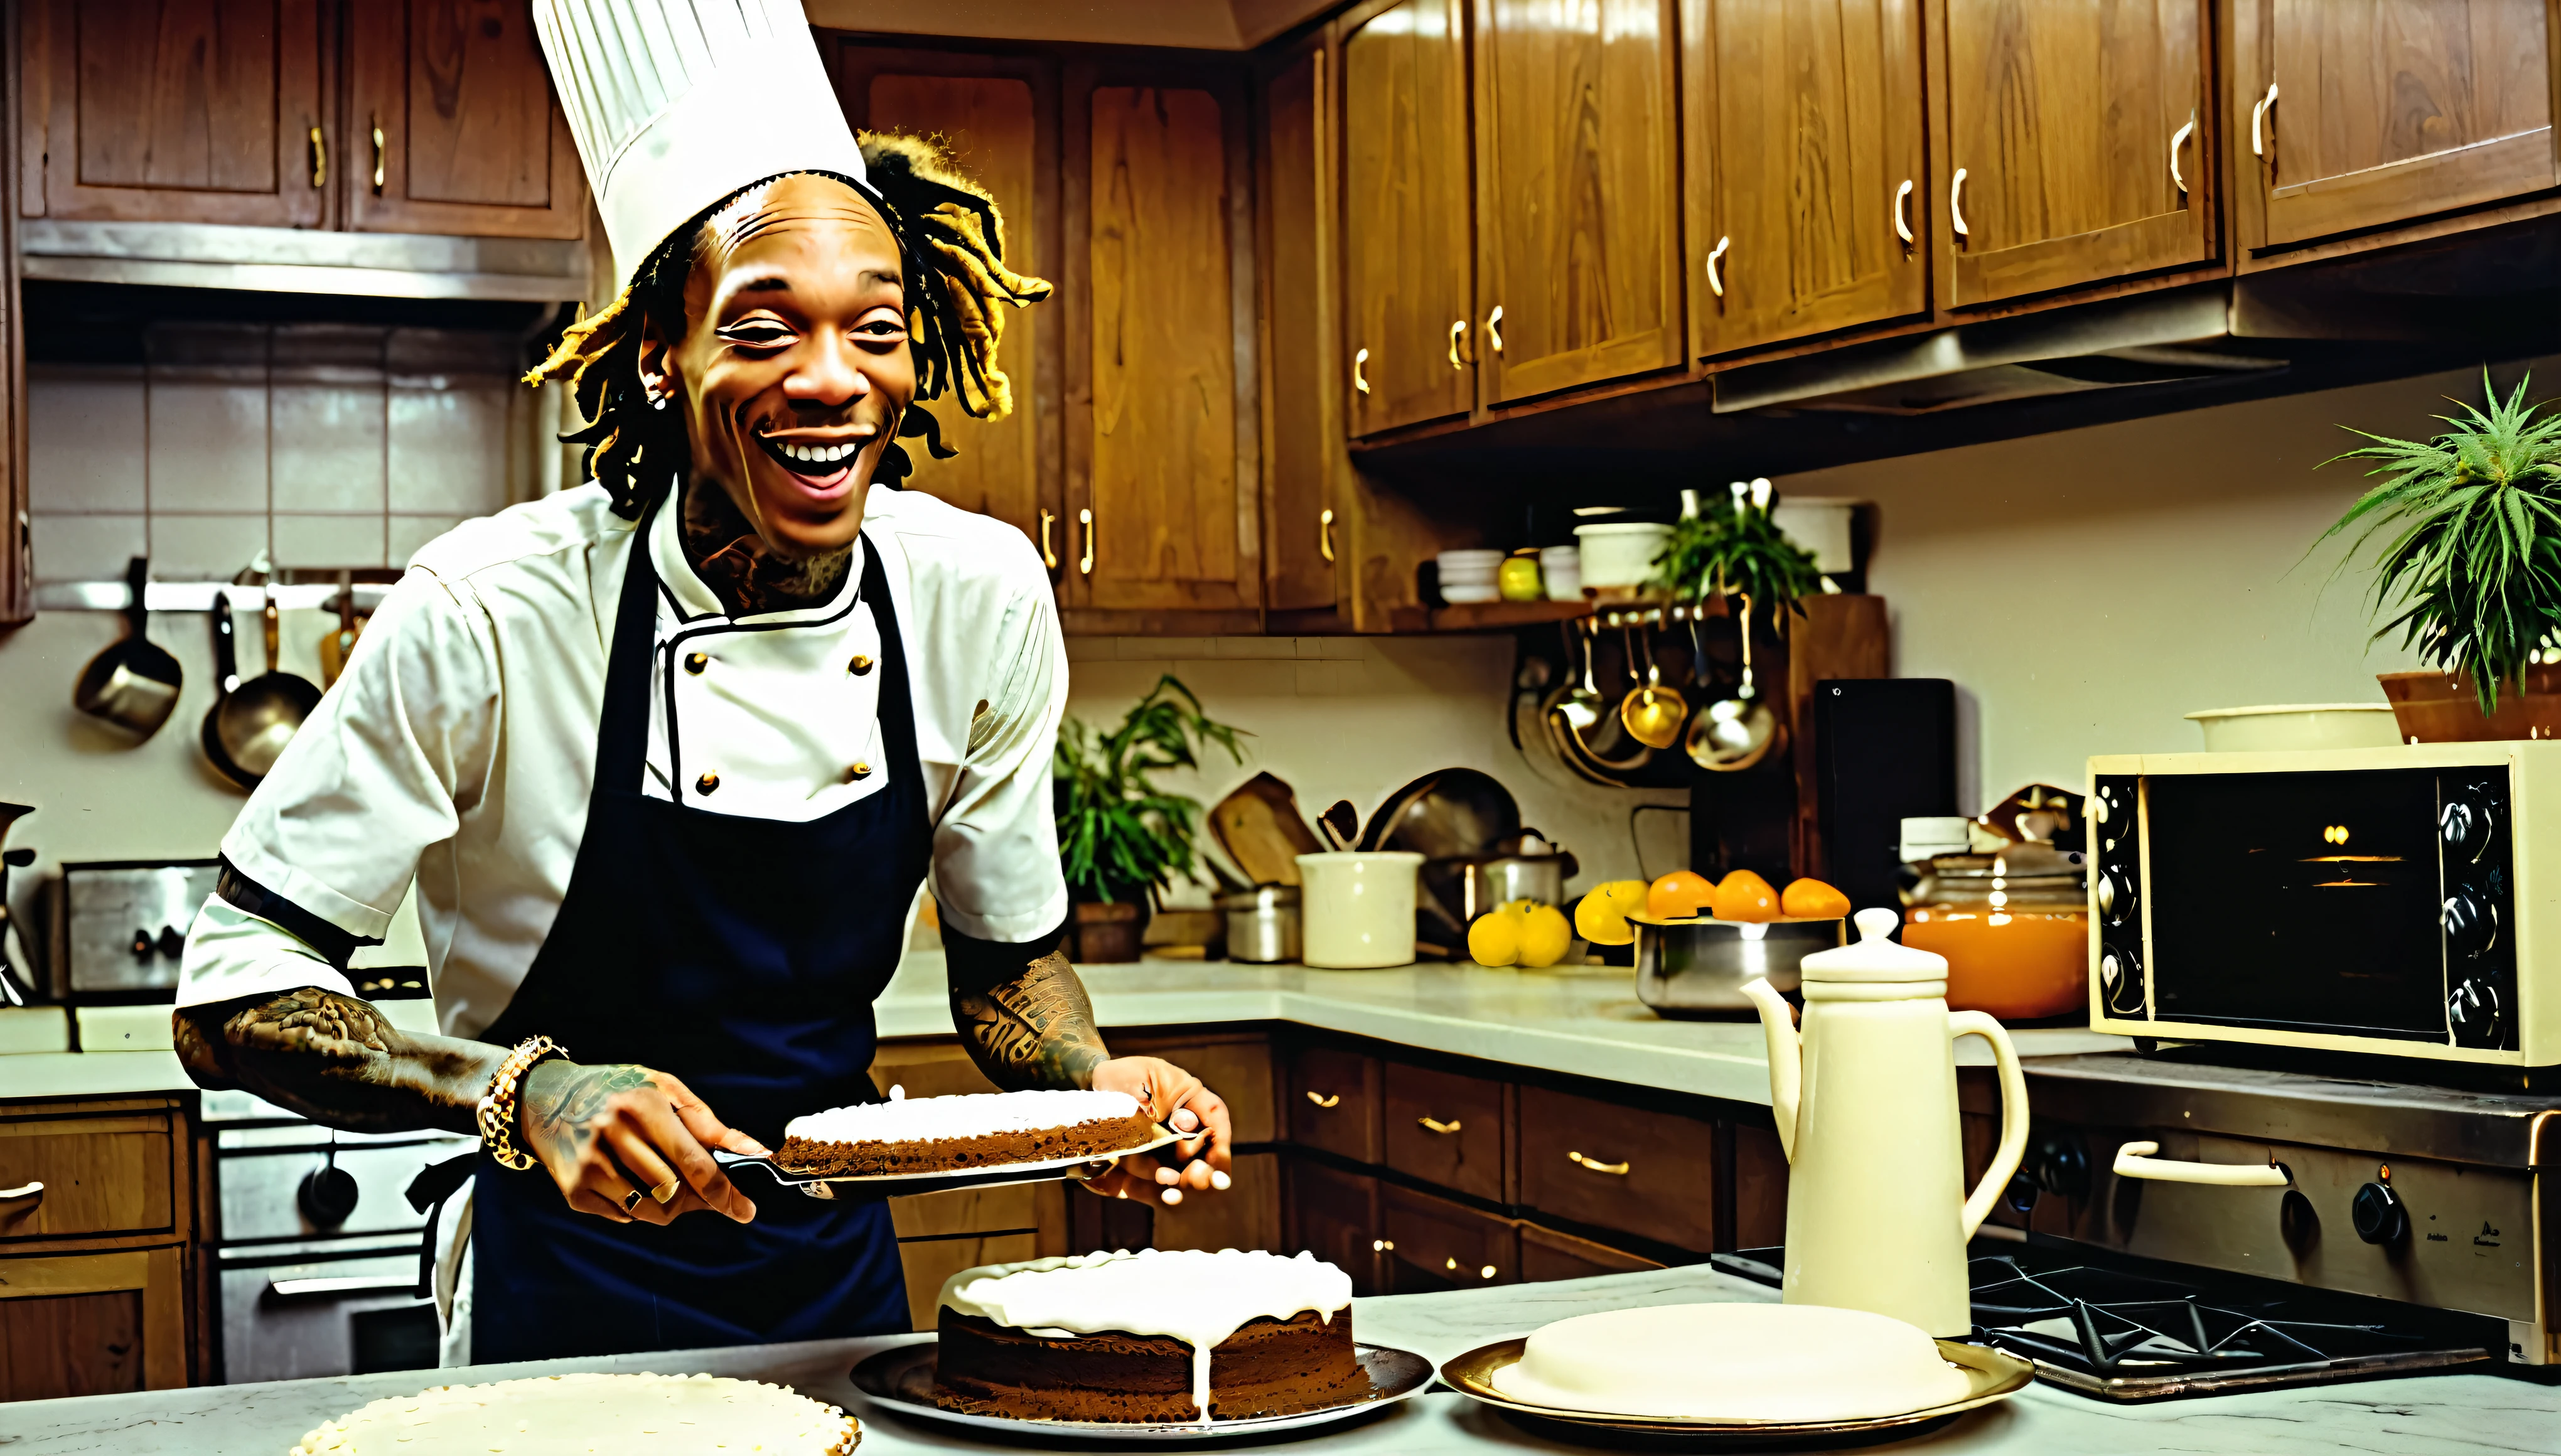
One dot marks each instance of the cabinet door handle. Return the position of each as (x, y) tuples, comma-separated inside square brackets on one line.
[(1451, 1266), (1494, 328), (1614, 1170), (1382, 1245), (319, 159), (1084, 517), (379, 151), (1322, 1100), (1458, 331), (1049, 557), (22, 1191), (1715, 275), (1435, 1124), (1326, 533), (1956, 205), (2178, 139), (2259, 146), (1903, 214), (1360, 381), (2135, 1160)]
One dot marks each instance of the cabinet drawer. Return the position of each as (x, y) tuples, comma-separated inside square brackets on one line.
[(1547, 1254), (1335, 1102), (106, 1174), (1446, 1128), (1591, 1162), (1434, 1245)]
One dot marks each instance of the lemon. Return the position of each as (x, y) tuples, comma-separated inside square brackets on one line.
[(1495, 938), (1545, 937), (1601, 918)]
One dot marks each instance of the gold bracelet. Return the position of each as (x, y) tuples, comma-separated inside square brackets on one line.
[(497, 1111)]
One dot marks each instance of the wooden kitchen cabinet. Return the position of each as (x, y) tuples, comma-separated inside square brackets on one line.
[(1611, 1165), (1446, 1128), (997, 114), (1578, 223), (1334, 1098), (1333, 1215), (1408, 219), (1303, 415), (1806, 186), (177, 110), (2385, 112), (103, 1174), (1547, 1254), (1246, 1216), (451, 126), (96, 1282), (2079, 144), (1434, 1244)]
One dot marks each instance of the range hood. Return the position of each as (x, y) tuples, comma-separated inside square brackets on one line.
[(311, 260)]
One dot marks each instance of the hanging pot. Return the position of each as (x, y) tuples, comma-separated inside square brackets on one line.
[(133, 683)]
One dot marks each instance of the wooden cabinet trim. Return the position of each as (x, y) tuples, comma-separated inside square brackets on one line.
[(1305, 540)]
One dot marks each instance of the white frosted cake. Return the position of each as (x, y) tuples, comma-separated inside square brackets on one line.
[(558, 1416), (976, 1130), (1734, 1361), (1153, 1336)]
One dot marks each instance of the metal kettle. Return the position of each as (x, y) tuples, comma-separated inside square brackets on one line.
[(1865, 1098)]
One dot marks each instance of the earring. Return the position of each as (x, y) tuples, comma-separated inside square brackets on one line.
[(657, 401)]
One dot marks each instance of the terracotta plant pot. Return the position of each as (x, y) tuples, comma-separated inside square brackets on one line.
[(2439, 707), (1109, 933)]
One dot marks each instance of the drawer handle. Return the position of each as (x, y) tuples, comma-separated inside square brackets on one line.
[(1451, 1266), (1614, 1170), (1433, 1124), (2135, 1160), (23, 1191), (343, 1287), (1322, 1100)]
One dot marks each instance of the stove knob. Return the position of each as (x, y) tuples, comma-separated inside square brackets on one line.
[(2463, 825), (2470, 923), (327, 1196), (2060, 1166), (2472, 1012), (142, 945), (2379, 1215), (2121, 979)]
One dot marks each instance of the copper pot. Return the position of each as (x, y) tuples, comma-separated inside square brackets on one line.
[(2439, 707)]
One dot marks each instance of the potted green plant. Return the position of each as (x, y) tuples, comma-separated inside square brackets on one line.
[(2468, 570), (1121, 838), (1728, 545)]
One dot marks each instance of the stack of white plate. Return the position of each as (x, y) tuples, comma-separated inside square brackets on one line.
[(1468, 577), (1561, 568)]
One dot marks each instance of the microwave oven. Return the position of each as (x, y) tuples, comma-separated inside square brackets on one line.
[(2402, 902)]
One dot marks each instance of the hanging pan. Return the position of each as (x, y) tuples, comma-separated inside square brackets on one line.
[(134, 683), (249, 725)]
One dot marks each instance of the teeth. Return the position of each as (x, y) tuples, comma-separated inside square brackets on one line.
[(816, 454)]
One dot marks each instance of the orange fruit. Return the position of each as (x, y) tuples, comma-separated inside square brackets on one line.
[(1813, 899), (1745, 896), (1679, 896)]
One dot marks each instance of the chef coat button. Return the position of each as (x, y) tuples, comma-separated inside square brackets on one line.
[(707, 783), (695, 662), (860, 665), (858, 770)]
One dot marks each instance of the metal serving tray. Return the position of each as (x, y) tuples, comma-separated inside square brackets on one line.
[(897, 1185)]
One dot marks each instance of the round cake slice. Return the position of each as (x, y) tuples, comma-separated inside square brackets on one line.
[(910, 1135), (1155, 1335), (1734, 1361), (570, 1415)]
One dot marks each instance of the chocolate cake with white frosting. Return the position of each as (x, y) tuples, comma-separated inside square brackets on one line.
[(907, 1135), (1152, 1336), (560, 1415)]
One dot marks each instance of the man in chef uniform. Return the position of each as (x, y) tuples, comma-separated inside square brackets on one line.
[(663, 758)]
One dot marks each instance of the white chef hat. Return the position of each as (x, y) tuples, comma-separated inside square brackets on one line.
[(678, 104)]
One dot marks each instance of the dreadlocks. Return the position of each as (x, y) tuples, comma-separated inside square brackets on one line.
[(952, 247)]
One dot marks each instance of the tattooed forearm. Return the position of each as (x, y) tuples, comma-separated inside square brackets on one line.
[(562, 1100), (1030, 1030), (337, 1061)]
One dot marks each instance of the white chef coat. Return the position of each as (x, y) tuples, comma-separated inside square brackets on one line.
[(458, 746)]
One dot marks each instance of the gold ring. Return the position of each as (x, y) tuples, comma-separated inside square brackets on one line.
[(631, 1201), (665, 1190)]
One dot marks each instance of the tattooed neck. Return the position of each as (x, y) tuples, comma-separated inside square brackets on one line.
[(749, 576)]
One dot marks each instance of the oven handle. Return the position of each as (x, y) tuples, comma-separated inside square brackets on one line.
[(340, 1287), (2135, 1160)]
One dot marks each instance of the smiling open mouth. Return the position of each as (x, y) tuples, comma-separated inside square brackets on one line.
[(814, 461)]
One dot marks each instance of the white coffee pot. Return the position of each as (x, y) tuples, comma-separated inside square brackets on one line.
[(1865, 1098)]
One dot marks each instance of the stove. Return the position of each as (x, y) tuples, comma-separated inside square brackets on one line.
[(2121, 1329)]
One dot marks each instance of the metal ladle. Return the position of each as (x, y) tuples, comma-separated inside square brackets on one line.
[(1730, 735), (1584, 710), (1652, 713)]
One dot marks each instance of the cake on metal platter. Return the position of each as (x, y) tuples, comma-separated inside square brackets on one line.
[(910, 1135)]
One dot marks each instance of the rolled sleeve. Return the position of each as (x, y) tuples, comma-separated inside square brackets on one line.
[(996, 874), (397, 748)]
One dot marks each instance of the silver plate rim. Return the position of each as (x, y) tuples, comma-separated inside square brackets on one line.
[(994, 1176)]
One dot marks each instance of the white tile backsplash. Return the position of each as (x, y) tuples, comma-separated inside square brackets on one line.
[(208, 445), (84, 440), (329, 541), (409, 532), (329, 447), (203, 547), (448, 445), (88, 548)]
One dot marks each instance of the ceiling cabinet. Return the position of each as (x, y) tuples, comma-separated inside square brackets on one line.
[(1302, 428), (1806, 181), (2078, 143), (1408, 234), (2361, 114), (177, 110), (451, 123), (1578, 187)]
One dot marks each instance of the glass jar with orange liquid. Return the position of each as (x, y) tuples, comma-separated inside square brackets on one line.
[(2014, 928)]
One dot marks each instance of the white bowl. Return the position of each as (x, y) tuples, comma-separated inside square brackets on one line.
[(2295, 726), (1486, 562), (1471, 594), (1621, 554)]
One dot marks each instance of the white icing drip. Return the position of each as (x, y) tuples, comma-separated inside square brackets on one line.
[(1734, 1361), (576, 1413), (1191, 1295), (971, 1114)]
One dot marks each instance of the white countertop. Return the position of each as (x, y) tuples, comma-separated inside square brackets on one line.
[(2432, 1415), (1584, 1022)]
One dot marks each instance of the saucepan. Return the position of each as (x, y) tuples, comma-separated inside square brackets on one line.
[(1697, 969), (134, 683)]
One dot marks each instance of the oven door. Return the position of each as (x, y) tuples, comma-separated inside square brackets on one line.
[(297, 1312)]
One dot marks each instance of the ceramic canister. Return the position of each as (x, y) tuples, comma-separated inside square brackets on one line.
[(1358, 911)]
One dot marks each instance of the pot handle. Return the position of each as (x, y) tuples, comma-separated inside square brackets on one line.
[(2013, 1141)]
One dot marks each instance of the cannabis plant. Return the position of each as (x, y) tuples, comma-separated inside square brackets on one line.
[(1119, 835), (1731, 546), (2470, 524)]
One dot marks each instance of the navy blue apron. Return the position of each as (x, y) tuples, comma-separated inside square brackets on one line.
[(743, 956)]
